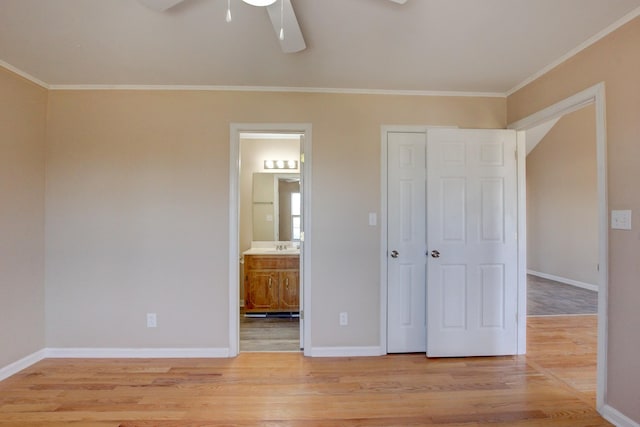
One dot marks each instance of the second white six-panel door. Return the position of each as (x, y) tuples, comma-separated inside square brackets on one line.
[(472, 243)]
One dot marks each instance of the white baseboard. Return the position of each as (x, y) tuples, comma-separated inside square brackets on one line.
[(617, 418), (345, 351), (151, 353), (564, 280), (25, 362)]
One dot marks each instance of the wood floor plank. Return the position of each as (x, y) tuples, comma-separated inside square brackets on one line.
[(553, 385)]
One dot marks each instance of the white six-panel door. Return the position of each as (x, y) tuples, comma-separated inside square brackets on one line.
[(406, 234), (472, 243)]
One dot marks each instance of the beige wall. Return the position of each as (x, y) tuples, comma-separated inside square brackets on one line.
[(137, 209), (616, 61), (562, 200), (23, 107)]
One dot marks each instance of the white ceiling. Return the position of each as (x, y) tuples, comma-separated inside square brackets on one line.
[(481, 46)]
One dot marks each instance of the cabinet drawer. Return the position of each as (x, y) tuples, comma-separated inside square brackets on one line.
[(275, 262)]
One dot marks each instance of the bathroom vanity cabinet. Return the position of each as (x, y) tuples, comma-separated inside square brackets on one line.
[(271, 283)]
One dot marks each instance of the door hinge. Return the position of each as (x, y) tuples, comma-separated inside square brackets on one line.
[(301, 314), (516, 154), (301, 157)]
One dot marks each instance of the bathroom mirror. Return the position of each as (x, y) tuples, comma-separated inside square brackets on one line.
[(276, 206)]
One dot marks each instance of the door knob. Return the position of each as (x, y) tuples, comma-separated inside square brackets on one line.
[(394, 254), (435, 254)]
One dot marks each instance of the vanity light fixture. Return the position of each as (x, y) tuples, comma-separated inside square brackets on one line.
[(281, 164)]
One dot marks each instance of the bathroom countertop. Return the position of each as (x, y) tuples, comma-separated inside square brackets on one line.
[(272, 251)]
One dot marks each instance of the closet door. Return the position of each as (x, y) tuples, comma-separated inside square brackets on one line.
[(406, 240)]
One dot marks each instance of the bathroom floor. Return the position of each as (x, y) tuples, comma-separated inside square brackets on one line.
[(269, 334)]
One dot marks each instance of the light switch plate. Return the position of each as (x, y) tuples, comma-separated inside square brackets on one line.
[(373, 218), (621, 220)]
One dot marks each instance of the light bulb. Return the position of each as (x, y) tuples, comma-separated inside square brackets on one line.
[(260, 2), (228, 18), (281, 19), (268, 164), (280, 164)]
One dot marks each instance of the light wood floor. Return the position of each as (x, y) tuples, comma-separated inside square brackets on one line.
[(552, 386), (565, 348)]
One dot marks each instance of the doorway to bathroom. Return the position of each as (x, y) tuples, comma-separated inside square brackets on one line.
[(268, 220)]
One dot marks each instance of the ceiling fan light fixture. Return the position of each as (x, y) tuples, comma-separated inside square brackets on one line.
[(260, 3), (228, 17)]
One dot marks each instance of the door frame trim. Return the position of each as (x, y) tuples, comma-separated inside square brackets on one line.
[(234, 227), (592, 95)]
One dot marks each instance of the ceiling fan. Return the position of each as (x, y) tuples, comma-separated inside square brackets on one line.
[(280, 13)]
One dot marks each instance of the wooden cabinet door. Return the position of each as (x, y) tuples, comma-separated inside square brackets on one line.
[(262, 290), (289, 290)]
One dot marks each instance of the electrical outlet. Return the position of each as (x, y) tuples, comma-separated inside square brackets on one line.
[(621, 220), (344, 319), (152, 320)]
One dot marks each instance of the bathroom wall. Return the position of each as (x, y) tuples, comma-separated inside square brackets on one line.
[(253, 153)]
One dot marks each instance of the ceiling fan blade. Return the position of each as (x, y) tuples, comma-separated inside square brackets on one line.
[(160, 5), (293, 40), (399, 1)]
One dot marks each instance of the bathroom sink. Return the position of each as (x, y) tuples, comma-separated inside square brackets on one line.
[(288, 251)]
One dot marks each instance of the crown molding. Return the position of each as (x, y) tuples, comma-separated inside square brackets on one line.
[(23, 74), (573, 52), (214, 88), (222, 88)]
